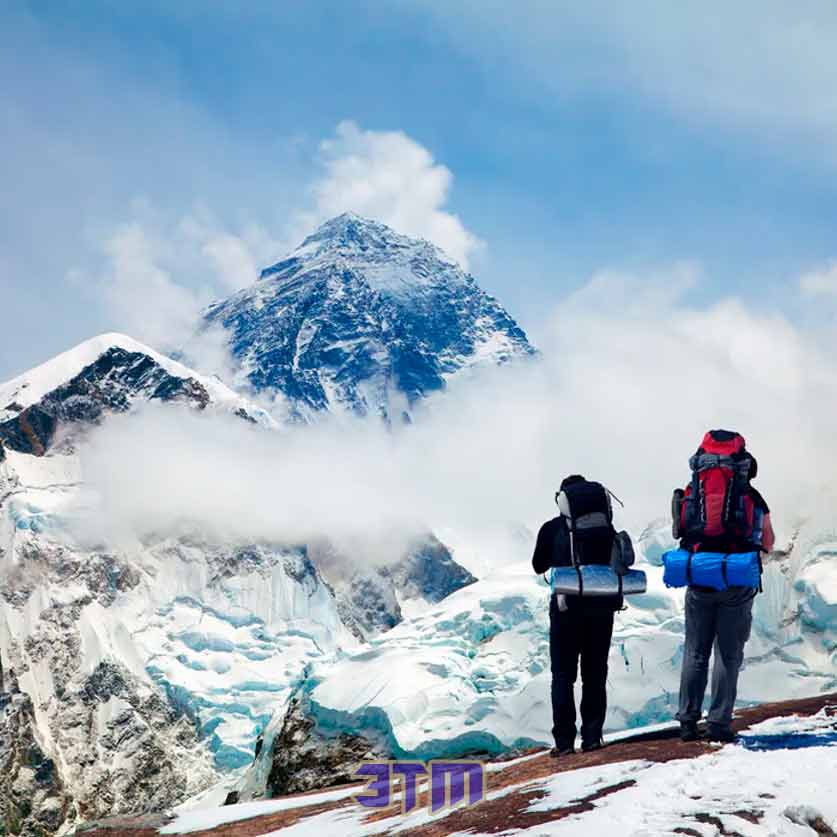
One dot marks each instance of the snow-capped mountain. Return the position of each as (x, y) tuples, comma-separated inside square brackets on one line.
[(190, 666), (107, 374), (142, 675), (360, 317)]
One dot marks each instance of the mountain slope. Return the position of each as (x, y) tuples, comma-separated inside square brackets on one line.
[(362, 318), (150, 670), (108, 373)]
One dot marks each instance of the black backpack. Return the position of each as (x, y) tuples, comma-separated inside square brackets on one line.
[(587, 508)]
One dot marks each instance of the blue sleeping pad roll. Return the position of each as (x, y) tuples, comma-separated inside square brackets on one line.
[(717, 570)]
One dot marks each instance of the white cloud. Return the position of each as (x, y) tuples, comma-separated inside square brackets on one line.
[(156, 274), (142, 297), (820, 282), (632, 376), (232, 259), (389, 177)]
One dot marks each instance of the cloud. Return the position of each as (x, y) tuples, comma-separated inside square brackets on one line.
[(766, 68), (142, 297), (631, 377), (157, 271), (389, 177), (820, 282)]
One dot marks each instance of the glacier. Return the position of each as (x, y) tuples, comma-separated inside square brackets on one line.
[(471, 674)]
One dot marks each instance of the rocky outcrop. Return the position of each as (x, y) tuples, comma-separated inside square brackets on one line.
[(101, 575), (108, 385), (369, 595), (303, 757), (33, 799), (83, 742), (427, 571), (128, 745), (368, 603)]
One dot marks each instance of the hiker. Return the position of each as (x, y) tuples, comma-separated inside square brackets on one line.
[(719, 512), (580, 627)]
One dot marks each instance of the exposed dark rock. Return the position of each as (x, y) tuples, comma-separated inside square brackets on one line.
[(303, 757), (103, 575), (33, 800), (368, 595), (428, 571), (31, 431), (260, 558), (123, 745), (370, 601), (108, 385)]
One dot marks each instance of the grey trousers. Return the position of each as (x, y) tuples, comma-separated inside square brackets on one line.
[(723, 620)]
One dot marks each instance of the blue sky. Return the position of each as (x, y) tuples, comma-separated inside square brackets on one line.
[(578, 138)]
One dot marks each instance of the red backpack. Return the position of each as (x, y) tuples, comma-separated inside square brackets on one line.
[(716, 512)]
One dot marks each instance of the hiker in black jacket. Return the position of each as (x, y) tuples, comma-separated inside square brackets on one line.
[(579, 627)]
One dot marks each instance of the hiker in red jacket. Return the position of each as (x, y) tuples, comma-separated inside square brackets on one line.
[(721, 512)]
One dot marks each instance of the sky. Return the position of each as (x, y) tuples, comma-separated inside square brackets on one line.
[(154, 156)]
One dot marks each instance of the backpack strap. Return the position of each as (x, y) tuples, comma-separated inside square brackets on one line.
[(761, 573)]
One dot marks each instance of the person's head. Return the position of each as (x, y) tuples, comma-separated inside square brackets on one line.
[(571, 480)]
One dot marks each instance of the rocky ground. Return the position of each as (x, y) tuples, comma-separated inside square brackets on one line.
[(778, 779)]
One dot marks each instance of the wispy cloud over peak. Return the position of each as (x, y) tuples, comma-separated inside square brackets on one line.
[(389, 177)]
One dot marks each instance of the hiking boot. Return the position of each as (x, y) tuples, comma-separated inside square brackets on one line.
[(562, 748), (724, 735), (689, 731), (590, 746)]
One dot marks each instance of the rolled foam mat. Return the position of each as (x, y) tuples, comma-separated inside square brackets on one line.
[(597, 580)]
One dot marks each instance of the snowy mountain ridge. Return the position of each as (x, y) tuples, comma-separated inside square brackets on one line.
[(106, 374), (29, 388)]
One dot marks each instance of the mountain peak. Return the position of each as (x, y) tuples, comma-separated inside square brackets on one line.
[(350, 229), (361, 316), (363, 242)]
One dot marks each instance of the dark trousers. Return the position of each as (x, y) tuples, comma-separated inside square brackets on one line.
[(582, 632), (723, 620)]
